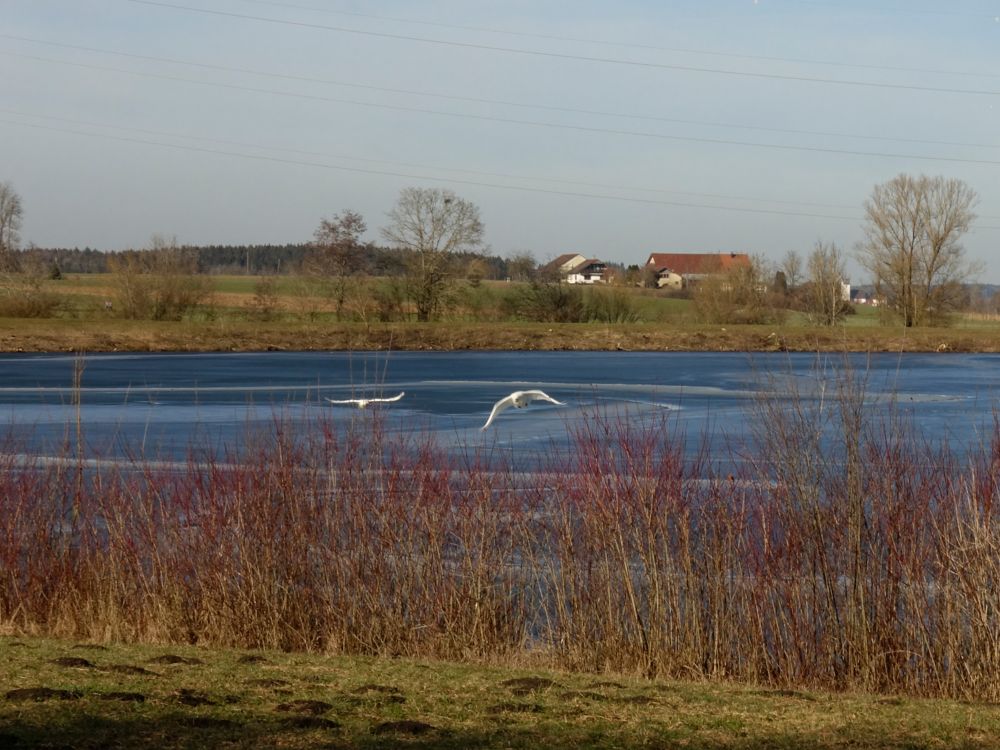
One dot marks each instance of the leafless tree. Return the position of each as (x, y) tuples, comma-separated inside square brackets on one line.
[(159, 283), (739, 295), (913, 227), (824, 296), (11, 214), (521, 265), (791, 266), (338, 245), (432, 224)]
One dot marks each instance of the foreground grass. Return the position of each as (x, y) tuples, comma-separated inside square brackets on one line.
[(183, 697)]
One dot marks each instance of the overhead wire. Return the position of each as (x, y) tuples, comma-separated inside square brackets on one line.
[(494, 102), (897, 10), (627, 45), (416, 165), (567, 56), (414, 176), (448, 180), (516, 121)]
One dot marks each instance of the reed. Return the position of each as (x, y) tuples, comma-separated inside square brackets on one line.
[(845, 554)]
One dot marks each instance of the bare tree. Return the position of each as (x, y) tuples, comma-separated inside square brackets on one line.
[(159, 283), (791, 266), (824, 295), (338, 245), (11, 214), (739, 295), (913, 227), (432, 224), (521, 265)]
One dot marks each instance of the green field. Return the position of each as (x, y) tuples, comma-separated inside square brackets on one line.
[(64, 694), (295, 315)]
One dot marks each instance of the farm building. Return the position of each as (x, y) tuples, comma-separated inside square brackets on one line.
[(677, 270)]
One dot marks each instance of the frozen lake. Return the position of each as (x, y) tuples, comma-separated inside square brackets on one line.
[(161, 405)]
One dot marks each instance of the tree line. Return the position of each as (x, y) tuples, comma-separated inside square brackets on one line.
[(434, 239)]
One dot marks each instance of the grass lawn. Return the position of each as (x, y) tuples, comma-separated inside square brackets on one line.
[(62, 694)]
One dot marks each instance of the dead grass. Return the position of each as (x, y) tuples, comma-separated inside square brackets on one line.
[(247, 334), (218, 699)]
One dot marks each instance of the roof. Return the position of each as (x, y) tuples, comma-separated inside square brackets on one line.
[(691, 263), (558, 263), (585, 264)]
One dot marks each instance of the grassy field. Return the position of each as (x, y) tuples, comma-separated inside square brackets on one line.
[(233, 321), (64, 694)]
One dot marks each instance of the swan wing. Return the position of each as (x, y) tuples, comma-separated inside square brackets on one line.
[(387, 400), (499, 406), (351, 401), (541, 396)]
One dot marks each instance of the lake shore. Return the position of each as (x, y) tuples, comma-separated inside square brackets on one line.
[(112, 334)]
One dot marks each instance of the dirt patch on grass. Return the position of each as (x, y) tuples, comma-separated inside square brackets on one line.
[(129, 669), (305, 707), (188, 697), (123, 696), (42, 694), (514, 708), (529, 684), (310, 722), (72, 662), (252, 659), (405, 726), (173, 659)]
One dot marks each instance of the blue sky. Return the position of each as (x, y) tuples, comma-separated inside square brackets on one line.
[(609, 129)]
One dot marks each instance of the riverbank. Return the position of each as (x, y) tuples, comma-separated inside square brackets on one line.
[(113, 334), (88, 695)]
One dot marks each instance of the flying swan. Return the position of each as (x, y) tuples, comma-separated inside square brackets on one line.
[(518, 399), (361, 403)]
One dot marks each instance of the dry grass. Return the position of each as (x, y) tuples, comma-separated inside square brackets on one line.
[(237, 699), (249, 334)]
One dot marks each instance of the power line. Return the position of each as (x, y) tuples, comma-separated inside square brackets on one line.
[(628, 45), (431, 178), (479, 173), (416, 165), (501, 102), (565, 56), (412, 176), (515, 121), (868, 9), (473, 183)]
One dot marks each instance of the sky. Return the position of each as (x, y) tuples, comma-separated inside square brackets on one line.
[(609, 129)]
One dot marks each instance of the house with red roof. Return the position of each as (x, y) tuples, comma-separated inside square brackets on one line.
[(677, 270)]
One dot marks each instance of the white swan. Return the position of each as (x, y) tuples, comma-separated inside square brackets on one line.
[(361, 403), (519, 399)]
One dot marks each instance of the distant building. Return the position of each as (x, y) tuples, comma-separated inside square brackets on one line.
[(591, 271), (574, 268), (677, 270), (863, 297)]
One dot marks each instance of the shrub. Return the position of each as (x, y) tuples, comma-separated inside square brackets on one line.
[(548, 303), (611, 306)]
